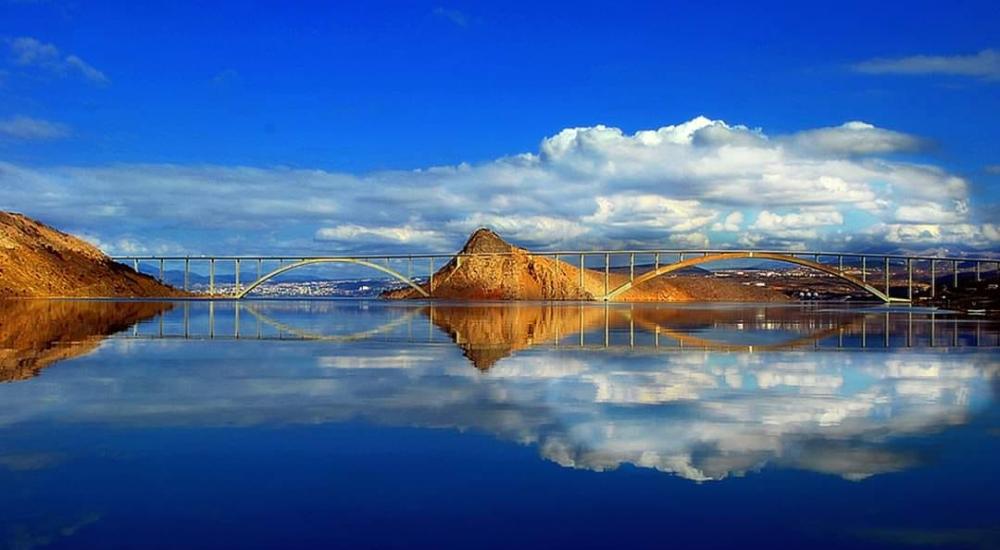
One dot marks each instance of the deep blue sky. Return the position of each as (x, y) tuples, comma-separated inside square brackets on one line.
[(363, 87)]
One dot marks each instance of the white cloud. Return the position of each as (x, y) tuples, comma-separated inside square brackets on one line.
[(985, 64), (396, 235), (806, 220), (585, 187), (931, 212), (855, 138), (31, 52), (732, 222), (27, 128), (690, 240), (529, 229), (651, 211), (967, 234), (993, 169)]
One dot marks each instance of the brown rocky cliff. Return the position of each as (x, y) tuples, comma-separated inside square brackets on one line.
[(39, 261), (489, 268)]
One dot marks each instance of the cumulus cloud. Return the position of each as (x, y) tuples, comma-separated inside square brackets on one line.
[(732, 222), (985, 64), (31, 52), (698, 181), (27, 128)]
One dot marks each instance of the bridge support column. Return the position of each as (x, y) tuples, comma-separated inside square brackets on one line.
[(187, 270), (885, 267), (135, 265), (954, 274), (161, 272), (430, 281), (581, 272), (840, 264), (933, 278), (979, 277), (607, 274), (656, 261), (631, 267), (211, 276), (909, 279), (237, 276), (864, 269), (260, 269)]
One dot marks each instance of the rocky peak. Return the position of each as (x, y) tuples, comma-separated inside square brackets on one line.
[(484, 240)]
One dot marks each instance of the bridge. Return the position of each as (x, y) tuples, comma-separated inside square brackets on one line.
[(871, 273)]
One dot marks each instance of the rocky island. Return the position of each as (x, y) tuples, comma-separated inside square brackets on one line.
[(490, 268)]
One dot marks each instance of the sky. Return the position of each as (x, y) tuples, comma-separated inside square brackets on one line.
[(326, 128)]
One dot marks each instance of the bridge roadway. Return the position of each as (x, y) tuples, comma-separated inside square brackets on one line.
[(871, 273)]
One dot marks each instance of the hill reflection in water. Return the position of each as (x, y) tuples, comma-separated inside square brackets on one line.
[(703, 392), (37, 333)]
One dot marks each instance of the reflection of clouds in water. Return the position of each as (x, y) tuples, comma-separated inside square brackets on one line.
[(699, 415)]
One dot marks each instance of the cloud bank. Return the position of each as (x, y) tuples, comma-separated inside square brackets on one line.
[(702, 182)]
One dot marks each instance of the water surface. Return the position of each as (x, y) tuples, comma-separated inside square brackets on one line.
[(364, 423)]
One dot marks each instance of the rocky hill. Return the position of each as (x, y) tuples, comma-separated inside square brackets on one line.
[(39, 261), (516, 274)]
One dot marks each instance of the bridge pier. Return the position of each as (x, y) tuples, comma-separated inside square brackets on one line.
[(909, 279), (607, 274), (933, 278), (885, 267)]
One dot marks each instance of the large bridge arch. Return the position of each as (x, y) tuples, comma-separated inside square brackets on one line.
[(240, 294), (787, 258)]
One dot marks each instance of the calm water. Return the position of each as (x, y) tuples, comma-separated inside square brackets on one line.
[(279, 423)]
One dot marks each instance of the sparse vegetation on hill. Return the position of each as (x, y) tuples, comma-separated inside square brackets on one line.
[(38, 261)]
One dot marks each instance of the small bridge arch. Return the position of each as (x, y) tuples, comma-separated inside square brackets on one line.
[(240, 294), (787, 258)]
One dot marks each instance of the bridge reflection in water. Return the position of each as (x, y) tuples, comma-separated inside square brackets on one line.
[(488, 332)]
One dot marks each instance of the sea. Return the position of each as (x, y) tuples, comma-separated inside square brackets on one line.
[(374, 424)]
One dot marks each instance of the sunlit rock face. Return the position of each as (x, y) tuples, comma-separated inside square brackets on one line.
[(698, 412)]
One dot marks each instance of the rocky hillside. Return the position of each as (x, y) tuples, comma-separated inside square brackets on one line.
[(516, 274), (39, 261)]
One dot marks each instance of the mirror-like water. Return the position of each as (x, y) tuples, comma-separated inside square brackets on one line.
[(386, 424)]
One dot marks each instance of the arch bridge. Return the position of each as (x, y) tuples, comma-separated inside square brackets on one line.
[(618, 270)]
